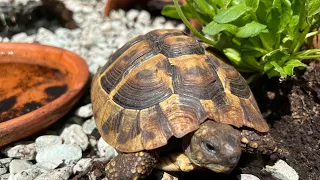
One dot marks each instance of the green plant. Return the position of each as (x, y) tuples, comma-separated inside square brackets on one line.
[(258, 36)]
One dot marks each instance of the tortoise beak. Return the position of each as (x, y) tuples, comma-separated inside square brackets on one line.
[(219, 168)]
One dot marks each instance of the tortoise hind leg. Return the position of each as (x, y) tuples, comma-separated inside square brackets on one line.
[(263, 144), (131, 166)]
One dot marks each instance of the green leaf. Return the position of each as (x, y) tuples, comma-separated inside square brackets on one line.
[(213, 28), (223, 4), (235, 58), (279, 16), (170, 11), (250, 59), (205, 7), (253, 4), (283, 74), (290, 65), (313, 7), (269, 38), (286, 14), (291, 29), (250, 30), (230, 14)]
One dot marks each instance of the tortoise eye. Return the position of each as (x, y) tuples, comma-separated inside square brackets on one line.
[(210, 147)]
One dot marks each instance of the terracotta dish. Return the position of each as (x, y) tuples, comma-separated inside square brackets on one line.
[(38, 85)]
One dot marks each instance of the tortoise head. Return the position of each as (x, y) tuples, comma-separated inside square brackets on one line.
[(214, 146)]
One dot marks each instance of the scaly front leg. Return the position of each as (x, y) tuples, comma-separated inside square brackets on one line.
[(264, 144), (131, 166)]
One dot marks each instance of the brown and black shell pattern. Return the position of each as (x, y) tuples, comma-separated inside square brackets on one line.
[(163, 84)]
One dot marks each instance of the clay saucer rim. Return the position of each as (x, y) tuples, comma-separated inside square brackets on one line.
[(72, 95)]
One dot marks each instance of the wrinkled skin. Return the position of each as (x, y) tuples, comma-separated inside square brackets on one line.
[(214, 146)]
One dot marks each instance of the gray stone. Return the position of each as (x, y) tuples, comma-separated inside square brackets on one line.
[(144, 17), (29, 174), (282, 171), (161, 175), (3, 170), (21, 150), (247, 177), (17, 166), (5, 176), (105, 150), (158, 22), (44, 141), (181, 27), (58, 174), (168, 25), (75, 135), (117, 14), (23, 37), (5, 161), (132, 14), (82, 165), (88, 126), (92, 141), (5, 39), (84, 111), (47, 37), (54, 155)]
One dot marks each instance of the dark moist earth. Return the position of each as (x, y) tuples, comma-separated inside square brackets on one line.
[(292, 109)]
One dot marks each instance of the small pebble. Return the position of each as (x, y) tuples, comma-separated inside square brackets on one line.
[(75, 135), (132, 14), (54, 155), (58, 174), (282, 171), (84, 111), (144, 17), (82, 165), (247, 177), (22, 37), (5, 161), (43, 141), (5, 176), (29, 174), (105, 150), (22, 150), (44, 36), (18, 165), (88, 126)]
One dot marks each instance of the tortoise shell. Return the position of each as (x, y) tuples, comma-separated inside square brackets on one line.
[(166, 83)]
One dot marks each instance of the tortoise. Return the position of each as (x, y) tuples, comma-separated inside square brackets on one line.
[(168, 100)]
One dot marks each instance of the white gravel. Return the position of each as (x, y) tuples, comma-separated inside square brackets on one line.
[(54, 155), (84, 111), (74, 135), (282, 171), (21, 150), (46, 140)]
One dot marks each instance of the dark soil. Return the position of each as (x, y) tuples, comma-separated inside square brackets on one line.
[(292, 109)]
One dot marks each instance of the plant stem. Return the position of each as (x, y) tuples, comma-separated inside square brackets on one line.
[(308, 52), (312, 34), (187, 23), (308, 57)]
